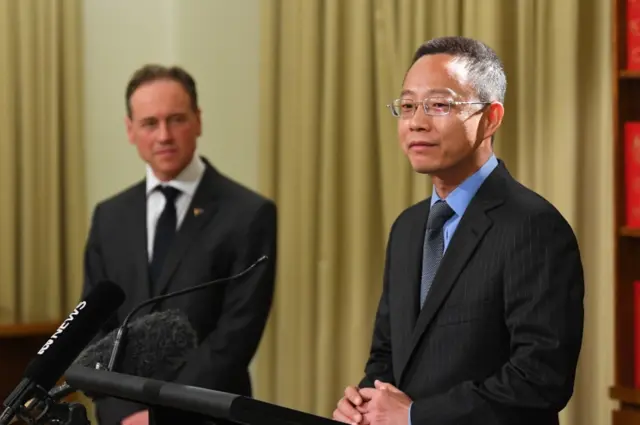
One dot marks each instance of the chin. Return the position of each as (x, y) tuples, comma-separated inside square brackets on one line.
[(423, 167), (168, 170), (170, 162)]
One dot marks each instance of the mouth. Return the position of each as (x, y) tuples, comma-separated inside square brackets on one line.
[(167, 151), (419, 145)]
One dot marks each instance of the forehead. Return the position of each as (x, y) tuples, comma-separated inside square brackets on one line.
[(438, 74), (160, 97)]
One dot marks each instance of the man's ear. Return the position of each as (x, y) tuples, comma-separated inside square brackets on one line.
[(129, 126), (492, 119), (198, 113)]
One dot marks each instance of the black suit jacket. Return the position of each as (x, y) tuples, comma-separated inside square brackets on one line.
[(498, 338), (233, 228)]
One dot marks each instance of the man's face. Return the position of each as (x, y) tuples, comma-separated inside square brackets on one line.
[(445, 144), (163, 126)]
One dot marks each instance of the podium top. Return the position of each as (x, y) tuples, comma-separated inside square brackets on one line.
[(192, 400)]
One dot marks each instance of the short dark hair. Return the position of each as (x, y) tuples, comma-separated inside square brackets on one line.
[(486, 72), (153, 72)]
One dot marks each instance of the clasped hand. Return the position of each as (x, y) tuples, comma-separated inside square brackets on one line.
[(138, 418), (382, 405)]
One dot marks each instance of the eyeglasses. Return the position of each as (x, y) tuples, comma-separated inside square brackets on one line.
[(435, 106)]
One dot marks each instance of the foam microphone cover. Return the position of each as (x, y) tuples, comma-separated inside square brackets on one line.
[(156, 346)]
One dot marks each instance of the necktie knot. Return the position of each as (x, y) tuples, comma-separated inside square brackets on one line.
[(440, 212), (170, 193)]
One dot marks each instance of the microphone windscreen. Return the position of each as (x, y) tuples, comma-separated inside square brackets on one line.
[(73, 335), (155, 346)]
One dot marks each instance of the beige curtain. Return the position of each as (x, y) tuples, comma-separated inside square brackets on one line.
[(42, 197), (331, 161)]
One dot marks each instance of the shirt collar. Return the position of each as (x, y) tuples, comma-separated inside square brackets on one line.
[(187, 181), (461, 196)]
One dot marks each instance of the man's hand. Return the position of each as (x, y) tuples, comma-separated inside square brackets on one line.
[(386, 405), (138, 418), (348, 406)]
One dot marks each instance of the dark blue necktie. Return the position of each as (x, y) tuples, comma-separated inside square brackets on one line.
[(433, 245), (165, 231)]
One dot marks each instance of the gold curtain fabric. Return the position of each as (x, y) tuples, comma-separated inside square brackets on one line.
[(330, 159), (42, 193)]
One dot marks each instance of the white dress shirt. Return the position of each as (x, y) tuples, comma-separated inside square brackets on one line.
[(187, 182)]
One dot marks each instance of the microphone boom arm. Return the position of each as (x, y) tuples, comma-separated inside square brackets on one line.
[(122, 330)]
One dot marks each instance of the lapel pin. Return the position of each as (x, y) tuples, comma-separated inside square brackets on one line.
[(197, 211)]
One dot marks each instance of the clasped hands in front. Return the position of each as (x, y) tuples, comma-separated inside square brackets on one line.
[(382, 405)]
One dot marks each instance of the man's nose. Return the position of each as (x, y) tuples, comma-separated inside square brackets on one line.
[(420, 121), (163, 132)]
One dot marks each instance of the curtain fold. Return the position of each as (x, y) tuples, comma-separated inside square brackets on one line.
[(42, 194), (331, 160)]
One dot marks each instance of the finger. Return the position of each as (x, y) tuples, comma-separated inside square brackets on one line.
[(368, 393), (367, 419), (347, 409), (391, 388), (352, 394), (380, 385), (341, 417), (363, 408)]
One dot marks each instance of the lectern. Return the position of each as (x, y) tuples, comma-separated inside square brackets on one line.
[(176, 404)]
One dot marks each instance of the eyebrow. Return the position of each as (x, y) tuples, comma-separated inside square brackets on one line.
[(430, 92), (152, 118)]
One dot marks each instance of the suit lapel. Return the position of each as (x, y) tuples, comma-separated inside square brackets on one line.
[(137, 230), (409, 303), (468, 235), (471, 229), (200, 211)]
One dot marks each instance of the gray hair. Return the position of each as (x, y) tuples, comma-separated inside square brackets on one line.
[(486, 72)]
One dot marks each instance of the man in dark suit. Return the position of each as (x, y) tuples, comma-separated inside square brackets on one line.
[(183, 225), (481, 316)]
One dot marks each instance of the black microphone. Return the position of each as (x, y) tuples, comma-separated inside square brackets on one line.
[(122, 330), (159, 344), (57, 354)]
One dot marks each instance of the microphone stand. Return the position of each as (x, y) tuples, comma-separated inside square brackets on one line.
[(66, 414), (47, 411)]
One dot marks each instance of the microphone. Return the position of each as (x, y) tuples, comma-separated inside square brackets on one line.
[(159, 344), (57, 354), (122, 330)]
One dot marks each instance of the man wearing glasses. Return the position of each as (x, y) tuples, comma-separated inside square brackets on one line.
[(481, 316)]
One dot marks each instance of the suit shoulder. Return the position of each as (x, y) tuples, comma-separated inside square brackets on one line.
[(121, 198), (411, 214), (417, 209), (237, 195), (526, 200), (525, 204)]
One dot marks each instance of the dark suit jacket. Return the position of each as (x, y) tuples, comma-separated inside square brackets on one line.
[(235, 228), (498, 338)]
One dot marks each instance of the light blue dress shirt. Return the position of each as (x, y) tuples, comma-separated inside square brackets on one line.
[(459, 200)]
